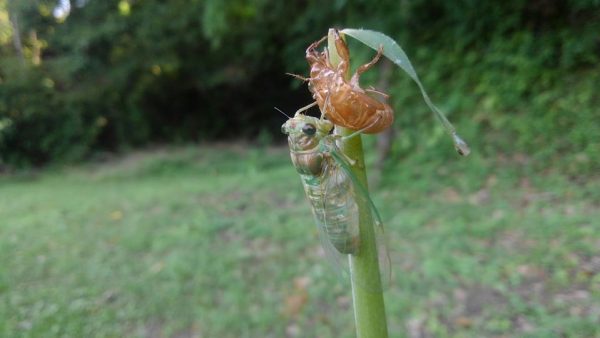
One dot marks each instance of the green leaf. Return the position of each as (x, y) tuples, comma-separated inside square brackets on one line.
[(396, 54)]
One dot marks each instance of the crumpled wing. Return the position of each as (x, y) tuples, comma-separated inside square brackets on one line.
[(377, 236), (334, 198)]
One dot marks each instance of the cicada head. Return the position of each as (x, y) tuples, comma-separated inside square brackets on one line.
[(305, 132)]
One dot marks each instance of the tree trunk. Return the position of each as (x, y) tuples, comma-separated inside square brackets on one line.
[(385, 139), (36, 48), (14, 21)]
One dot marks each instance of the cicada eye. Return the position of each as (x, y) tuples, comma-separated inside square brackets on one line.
[(309, 129)]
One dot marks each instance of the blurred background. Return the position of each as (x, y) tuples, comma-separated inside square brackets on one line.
[(146, 189)]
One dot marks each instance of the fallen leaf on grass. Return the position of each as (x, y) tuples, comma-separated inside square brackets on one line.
[(116, 215), (294, 303), (463, 322)]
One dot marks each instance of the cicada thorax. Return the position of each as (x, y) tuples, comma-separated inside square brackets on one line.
[(334, 206), (308, 163)]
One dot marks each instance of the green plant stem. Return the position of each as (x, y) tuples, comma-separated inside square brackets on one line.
[(369, 307)]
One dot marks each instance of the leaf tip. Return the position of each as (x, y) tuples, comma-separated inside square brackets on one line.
[(462, 148)]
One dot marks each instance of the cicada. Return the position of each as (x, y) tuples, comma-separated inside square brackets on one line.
[(344, 102), (332, 190)]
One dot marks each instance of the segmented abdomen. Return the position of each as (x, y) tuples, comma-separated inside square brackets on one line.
[(349, 106), (334, 207)]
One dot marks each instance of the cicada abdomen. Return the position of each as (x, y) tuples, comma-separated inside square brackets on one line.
[(334, 207)]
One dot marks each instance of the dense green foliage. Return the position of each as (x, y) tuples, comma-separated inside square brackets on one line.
[(219, 242), (517, 76)]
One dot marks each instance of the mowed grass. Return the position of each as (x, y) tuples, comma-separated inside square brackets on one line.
[(219, 242)]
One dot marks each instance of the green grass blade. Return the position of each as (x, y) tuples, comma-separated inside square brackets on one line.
[(396, 54)]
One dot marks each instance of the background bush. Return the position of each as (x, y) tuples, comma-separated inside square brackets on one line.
[(518, 77)]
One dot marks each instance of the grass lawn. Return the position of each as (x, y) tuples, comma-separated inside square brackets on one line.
[(219, 242)]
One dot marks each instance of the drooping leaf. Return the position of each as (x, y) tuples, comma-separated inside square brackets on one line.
[(396, 54)]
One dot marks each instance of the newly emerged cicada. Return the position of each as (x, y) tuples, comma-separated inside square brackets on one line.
[(343, 101), (332, 190)]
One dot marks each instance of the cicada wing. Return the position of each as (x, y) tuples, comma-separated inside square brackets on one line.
[(338, 261), (321, 194), (335, 198), (377, 235)]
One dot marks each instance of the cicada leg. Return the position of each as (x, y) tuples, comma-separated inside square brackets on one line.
[(365, 67), (356, 133), (343, 52), (326, 105), (314, 45), (305, 108), (299, 77), (375, 91), (335, 148)]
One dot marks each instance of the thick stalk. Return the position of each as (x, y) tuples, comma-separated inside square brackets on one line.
[(369, 308)]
